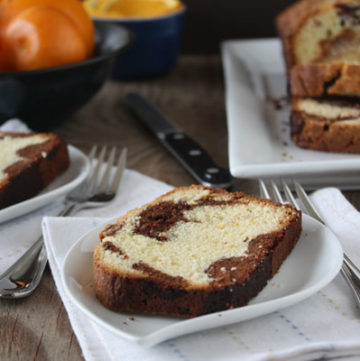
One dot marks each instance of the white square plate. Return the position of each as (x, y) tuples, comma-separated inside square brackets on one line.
[(314, 262), (259, 140)]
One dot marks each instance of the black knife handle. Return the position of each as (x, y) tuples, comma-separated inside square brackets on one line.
[(196, 161)]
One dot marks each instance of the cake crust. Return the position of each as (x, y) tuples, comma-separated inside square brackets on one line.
[(149, 290), (39, 165)]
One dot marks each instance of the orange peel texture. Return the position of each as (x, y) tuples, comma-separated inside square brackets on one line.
[(34, 45), (37, 34)]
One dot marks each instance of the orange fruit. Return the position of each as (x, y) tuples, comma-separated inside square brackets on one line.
[(77, 19), (72, 8), (31, 43)]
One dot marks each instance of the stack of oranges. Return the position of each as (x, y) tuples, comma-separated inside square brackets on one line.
[(37, 34)]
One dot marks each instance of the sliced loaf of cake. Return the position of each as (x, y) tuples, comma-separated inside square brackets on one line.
[(28, 163), (193, 251), (325, 125), (321, 43)]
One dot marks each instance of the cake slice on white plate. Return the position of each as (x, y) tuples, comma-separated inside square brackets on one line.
[(193, 251), (29, 163)]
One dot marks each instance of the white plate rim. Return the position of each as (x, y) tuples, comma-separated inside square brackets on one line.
[(244, 169), (46, 196), (227, 317)]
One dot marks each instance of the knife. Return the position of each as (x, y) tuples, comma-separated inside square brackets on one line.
[(190, 153)]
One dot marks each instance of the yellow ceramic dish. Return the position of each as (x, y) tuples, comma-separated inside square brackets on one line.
[(131, 8)]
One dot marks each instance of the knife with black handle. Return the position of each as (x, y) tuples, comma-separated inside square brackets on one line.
[(190, 153)]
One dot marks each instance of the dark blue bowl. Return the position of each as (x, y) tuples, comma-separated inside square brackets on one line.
[(44, 98), (155, 49)]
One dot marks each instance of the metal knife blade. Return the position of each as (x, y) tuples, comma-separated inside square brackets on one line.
[(190, 153)]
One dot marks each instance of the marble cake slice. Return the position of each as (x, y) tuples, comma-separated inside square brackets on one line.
[(29, 163), (193, 251)]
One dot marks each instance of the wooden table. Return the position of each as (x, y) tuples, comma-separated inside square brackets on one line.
[(37, 328)]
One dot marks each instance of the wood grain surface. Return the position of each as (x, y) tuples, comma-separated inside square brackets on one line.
[(37, 328)]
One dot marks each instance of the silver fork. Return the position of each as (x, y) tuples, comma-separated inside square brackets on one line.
[(22, 278), (349, 270)]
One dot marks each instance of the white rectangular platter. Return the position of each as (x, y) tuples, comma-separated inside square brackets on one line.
[(259, 135)]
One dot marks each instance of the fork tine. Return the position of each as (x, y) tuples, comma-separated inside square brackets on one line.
[(352, 265), (92, 152), (289, 196), (105, 178), (276, 192), (345, 271), (263, 190), (307, 202), (82, 189), (120, 169), (94, 176)]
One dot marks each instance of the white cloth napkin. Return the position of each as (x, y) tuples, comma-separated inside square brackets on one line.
[(343, 219)]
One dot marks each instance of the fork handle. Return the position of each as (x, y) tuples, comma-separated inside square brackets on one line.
[(353, 271), (27, 271), (348, 276), (351, 265), (27, 259)]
